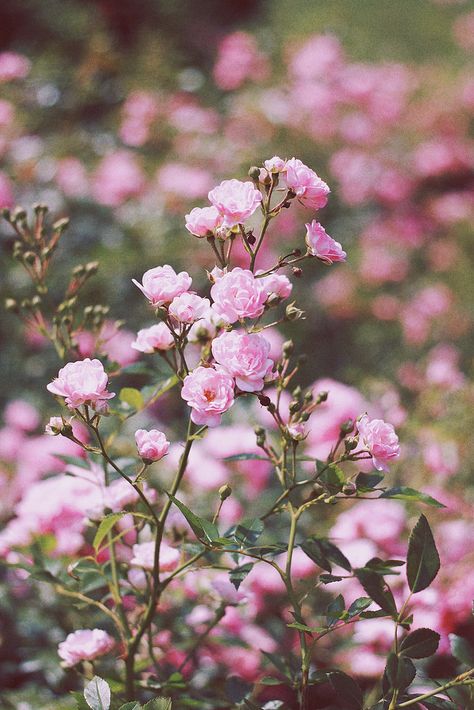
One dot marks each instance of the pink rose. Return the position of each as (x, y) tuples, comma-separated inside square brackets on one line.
[(380, 439), (321, 245), (151, 445), (277, 284), (244, 356), (202, 221), (161, 284), (308, 187), (209, 393), (157, 337), (236, 201), (82, 382), (85, 645), (144, 556), (188, 308), (275, 164), (238, 294)]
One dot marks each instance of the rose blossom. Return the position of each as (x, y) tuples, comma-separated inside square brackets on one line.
[(277, 284), (54, 426), (144, 556), (162, 284), (297, 431), (81, 382), (85, 645), (244, 356), (151, 445), (202, 221), (308, 187), (236, 201), (157, 337), (189, 307), (380, 439), (209, 393), (323, 246), (275, 164), (238, 294)]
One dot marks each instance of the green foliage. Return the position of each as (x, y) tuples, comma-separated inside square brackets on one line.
[(323, 552), (377, 588), (421, 643), (422, 559), (410, 494), (347, 690)]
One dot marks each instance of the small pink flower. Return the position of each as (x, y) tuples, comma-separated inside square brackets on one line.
[(157, 337), (238, 294), (275, 164), (144, 556), (151, 445), (308, 187), (161, 284), (188, 308), (54, 426), (82, 382), (244, 356), (380, 439), (85, 645), (209, 392), (202, 221), (321, 245), (236, 201), (277, 284), (297, 431), (13, 66)]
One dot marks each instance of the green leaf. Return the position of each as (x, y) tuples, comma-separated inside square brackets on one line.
[(328, 578), (131, 397), (300, 627), (203, 529), (151, 393), (73, 461), (358, 606), (137, 368), (346, 689), (238, 574), (104, 528), (377, 589), (278, 662), (376, 614), (399, 673), (335, 610), (97, 694), (384, 567), (333, 478), (245, 457), (404, 493), (131, 706), (247, 532), (366, 482), (324, 552), (79, 698), (422, 559), (268, 680), (421, 643), (462, 650), (158, 704), (237, 689)]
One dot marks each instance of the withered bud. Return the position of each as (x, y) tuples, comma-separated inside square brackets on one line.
[(349, 488), (251, 238), (292, 313), (297, 272)]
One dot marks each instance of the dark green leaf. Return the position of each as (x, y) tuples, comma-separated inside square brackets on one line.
[(421, 643), (158, 704), (422, 558), (80, 701), (404, 493), (347, 691), (462, 650), (238, 574), (332, 478), (324, 552), (366, 482), (335, 609), (328, 578), (278, 662), (237, 688), (136, 368), (377, 589), (358, 606), (203, 529), (247, 532), (383, 567), (245, 457), (268, 680), (377, 614), (300, 627), (131, 706), (399, 672)]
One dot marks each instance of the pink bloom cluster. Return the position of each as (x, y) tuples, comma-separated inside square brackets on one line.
[(85, 645), (321, 245), (238, 294), (244, 356), (235, 201), (306, 184), (209, 392), (156, 337), (162, 284), (151, 445), (82, 382)]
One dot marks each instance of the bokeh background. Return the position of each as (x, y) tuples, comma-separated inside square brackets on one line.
[(123, 115)]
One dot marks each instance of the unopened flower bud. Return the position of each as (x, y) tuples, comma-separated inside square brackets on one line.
[(264, 400), (19, 214), (39, 208), (6, 214), (288, 347), (254, 173), (349, 488), (347, 426), (29, 257), (351, 443), (305, 416), (322, 397), (251, 238), (297, 272), (11, 305), (79, 270), (36, 301), (225, 491), (92, 267), (161, 313), (294, 406), (61, 224), (308, 397)]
